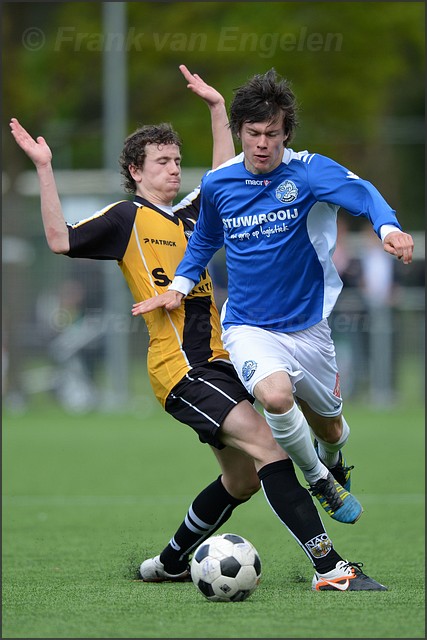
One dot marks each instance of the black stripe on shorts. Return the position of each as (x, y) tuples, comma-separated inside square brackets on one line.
[(204, 397)]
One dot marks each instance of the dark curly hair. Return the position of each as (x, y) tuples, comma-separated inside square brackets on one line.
[(134, 148), (261, 99)]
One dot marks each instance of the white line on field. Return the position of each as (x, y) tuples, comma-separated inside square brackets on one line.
[(130, 500)]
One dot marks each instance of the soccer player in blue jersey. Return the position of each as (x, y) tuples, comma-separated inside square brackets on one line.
[(275, 211)]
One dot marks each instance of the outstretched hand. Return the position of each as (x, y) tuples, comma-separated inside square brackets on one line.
[(399, 244), (210, 95), (37, 150), (170, 300)]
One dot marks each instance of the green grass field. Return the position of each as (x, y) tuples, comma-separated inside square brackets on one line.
[(87, 498)]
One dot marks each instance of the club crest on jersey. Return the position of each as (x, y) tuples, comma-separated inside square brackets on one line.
[(287, 191), (248, 369), (319, 546)]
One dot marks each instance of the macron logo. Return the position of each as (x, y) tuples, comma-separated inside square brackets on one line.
[(258, 183), (352, 175)]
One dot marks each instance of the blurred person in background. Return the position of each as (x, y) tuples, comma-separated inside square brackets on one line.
[(75, 344), (349, 320), (377, 289)]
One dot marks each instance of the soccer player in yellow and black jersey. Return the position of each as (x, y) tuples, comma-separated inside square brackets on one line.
[(148, 242), (189, 370)]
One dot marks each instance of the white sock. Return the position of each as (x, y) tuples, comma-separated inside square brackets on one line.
[(329, 453), (292, 432)]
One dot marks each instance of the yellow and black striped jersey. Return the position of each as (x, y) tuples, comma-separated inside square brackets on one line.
[(148, 244)]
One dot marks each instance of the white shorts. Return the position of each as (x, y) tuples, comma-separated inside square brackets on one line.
[(308, 357)]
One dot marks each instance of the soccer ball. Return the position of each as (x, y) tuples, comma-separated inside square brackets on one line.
[(226, 568)]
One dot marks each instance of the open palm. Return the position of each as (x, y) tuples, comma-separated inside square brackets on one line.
[(210, 95), (37, 150)]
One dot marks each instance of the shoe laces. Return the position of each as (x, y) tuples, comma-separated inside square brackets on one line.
[(327, 488), (345, 469), (341, 472), (357, 566), (341, 466)]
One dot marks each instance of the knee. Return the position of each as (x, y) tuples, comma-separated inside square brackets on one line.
[(277, 402), (331, 430)]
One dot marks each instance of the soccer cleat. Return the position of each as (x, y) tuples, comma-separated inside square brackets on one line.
[(347, 576), (153, 570), (336, 501), (340, 471)]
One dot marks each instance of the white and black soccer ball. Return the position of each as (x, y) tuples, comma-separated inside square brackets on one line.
[(226, 568)]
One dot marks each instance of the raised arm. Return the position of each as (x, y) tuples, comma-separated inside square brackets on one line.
[(55, 228), (223, 145)]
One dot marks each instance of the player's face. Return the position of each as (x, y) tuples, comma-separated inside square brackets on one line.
[(159, 180), (262, 144)]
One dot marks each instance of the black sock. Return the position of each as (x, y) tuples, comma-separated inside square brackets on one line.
[(295, 508), (208, 511)]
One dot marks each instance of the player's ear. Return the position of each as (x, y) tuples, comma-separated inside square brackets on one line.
[(133, 170)]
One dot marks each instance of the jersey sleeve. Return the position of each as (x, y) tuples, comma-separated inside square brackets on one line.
[(105, 235), (206, 239), (333, 183)]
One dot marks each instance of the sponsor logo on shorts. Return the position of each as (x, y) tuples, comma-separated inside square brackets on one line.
[(287, 191), (319, 546), (248, 369)]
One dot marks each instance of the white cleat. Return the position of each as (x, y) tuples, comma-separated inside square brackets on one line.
[(347, 576), (152, 570)]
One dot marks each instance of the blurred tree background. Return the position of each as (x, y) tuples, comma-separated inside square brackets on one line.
[(357, 69)]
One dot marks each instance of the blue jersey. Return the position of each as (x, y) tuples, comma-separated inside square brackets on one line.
[(279, 231)]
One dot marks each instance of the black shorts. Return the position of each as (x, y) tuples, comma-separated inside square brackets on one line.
[(204, 397)]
